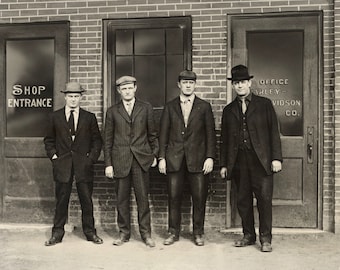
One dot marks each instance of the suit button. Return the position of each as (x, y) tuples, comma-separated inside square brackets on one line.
[(182, 132)]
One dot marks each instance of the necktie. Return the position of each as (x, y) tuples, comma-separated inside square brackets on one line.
[(243, 105), (71, 123), (129, 108), (186, 108)]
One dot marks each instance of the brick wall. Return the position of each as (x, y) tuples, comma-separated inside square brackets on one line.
[(210, 61), (336, 101)]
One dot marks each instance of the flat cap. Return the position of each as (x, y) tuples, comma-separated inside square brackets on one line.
[(187, 75), (125, 80), (73, 87)]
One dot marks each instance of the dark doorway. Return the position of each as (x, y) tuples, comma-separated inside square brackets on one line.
[(33, 71), (283, 52)]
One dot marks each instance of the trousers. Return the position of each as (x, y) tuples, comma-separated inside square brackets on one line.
[(62, 194), (250, 178), (198, 183), (139, 179)]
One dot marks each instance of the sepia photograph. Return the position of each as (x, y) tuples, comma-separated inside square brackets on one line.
[(169, 135)]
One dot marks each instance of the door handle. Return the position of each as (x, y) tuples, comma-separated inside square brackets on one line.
[(310, 144), (310, 153)]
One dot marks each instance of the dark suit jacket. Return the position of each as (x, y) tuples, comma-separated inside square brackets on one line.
[(263, 131), (81, 153), (196, 143), (126, 137)]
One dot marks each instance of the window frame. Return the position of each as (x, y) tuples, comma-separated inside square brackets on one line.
[(110, 25)]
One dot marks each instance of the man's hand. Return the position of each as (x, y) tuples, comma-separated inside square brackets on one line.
[(276, 166), (223, 172), (154, 163), (208, 165), (109, 172), (162, 166)]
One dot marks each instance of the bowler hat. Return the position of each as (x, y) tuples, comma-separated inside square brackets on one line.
[(187, 75), (125, 80), (240, 73), (73, 87)]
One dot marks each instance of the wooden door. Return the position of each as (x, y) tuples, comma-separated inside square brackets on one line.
[(33, 70), (282, 51)]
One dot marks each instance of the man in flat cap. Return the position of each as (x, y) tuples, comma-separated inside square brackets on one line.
[(187, 152), (130, 149), (250, 154), (73, 143)]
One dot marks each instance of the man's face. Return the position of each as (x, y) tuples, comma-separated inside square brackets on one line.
[(242, 88), (73, 99), (127, 91), (187, 87)]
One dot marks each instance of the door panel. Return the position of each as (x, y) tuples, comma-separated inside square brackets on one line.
[(33, 71), (282, 52)]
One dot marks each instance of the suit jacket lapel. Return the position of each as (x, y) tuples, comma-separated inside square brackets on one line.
[(81, 120), (252, 106), (62, 117), (235, 108), (123, 112), (137, 108), (178, 109), (195, 109)]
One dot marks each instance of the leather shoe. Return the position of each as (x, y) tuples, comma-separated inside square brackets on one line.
[(95, 239), (266, 247), (120, 241), (170, 240), (199, 240), (52, 241), (149, 242), (244, 242)]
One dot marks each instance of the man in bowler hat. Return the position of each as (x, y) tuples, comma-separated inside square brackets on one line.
[(73, 143), (250, 154), (130, 149), (187, 152)]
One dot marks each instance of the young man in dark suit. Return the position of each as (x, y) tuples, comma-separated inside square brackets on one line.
[(73, 143), (250, 154), (187, 151), (130, 149)]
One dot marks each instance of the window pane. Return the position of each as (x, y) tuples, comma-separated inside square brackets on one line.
[(150, 75), (124, 42), (29, 84), (174, 67), (149, 42), (174, 41), (282, 84), (124, 66)]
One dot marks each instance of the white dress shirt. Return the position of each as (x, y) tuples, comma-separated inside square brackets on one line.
[(128, 105), (75, 116), (186, 106)]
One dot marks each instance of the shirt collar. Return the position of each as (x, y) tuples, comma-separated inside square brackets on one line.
[(68, 109), (132, 101), (185, 98), (247, 98)]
